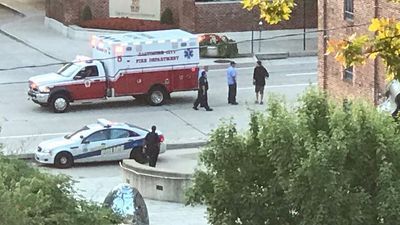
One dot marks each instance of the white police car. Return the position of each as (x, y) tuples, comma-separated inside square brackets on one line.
[(102, 141)]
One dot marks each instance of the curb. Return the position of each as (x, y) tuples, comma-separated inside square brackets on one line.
[(186, 145), (304, 53), (31, 156), (263, 56), (12, 9), (225, 65)]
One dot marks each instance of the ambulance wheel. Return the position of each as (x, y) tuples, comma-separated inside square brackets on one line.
[(59, 103), (138, 155), (156, 96), (63, 160)]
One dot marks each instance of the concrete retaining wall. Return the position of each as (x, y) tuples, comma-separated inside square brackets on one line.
[(76, 32), (154, 183)]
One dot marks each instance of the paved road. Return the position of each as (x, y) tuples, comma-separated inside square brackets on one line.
[(24, 124)]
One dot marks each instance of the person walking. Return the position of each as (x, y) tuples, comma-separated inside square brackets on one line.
[(259, 76), (202, 97), (231, 75), (152, 144)]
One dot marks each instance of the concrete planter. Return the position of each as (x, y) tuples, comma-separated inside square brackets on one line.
[(155, 183), (212, 51)]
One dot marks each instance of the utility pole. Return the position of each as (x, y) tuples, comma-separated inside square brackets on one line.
[(304, 25), (259, 42)]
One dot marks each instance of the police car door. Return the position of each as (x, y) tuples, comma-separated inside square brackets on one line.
[(121, 143), (93, 145)]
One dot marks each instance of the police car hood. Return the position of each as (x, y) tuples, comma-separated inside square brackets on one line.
[(56, 143), (48, 78)]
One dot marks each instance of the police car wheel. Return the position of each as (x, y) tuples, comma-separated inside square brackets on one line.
[(63, 160), (60, 103), (156, 96), (138, 155)]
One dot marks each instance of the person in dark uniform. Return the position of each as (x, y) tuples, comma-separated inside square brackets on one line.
[(202, 97), (152, 143)]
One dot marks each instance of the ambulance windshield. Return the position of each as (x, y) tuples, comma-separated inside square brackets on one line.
[(68, 70)]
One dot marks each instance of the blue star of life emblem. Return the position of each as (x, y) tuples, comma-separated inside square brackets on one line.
[(188, 53)]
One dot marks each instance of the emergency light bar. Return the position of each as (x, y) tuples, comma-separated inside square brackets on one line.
[(104, 122), (82, 58)]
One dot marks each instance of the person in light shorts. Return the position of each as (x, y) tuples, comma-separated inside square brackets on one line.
[(259, 76)]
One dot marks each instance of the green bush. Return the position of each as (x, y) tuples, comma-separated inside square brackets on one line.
[(227, 49), (86, 13), (318, 163), (28, 196), (167, 17)]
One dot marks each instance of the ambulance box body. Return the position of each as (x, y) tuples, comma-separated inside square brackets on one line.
[(148, 65)]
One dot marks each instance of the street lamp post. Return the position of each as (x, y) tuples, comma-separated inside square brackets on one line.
[(252, 40), (259, 42), (304, 25)]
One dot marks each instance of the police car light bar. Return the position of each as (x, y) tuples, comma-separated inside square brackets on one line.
[(104, 122), (82, 58)]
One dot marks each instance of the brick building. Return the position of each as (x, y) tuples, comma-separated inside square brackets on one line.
[(197, 17), (342, 18)]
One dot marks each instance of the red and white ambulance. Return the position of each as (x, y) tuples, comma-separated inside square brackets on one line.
[(147, 65)]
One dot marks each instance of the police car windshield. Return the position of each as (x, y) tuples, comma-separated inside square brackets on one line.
[(68, 70), (76, 133)]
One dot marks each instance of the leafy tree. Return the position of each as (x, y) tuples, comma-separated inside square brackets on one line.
[(316, 164), (384, 41), (272, 11), (28, 196)]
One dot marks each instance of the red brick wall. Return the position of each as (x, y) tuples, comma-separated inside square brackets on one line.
[(188, 15), (364, 84), (230, 16), (69, 12)]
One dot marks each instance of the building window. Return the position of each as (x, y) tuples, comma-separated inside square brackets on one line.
[(135, 6), (348, 9), (348, 74)]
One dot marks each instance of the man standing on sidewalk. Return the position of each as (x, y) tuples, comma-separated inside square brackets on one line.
[(152, 143), (231, 75), (259, 76)]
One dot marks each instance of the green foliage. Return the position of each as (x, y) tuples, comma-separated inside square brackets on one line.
[(272, 11), (167, 17), (28, 196), (86, 13), (226, 48), (316, 164)]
